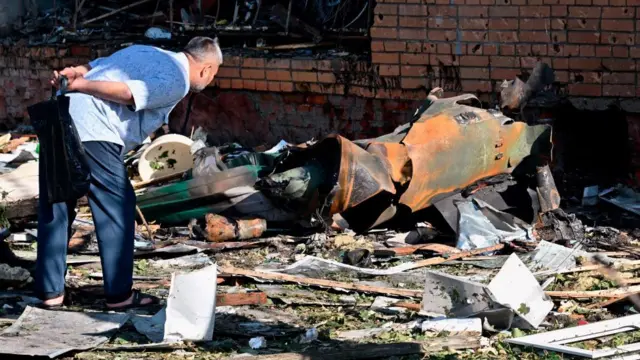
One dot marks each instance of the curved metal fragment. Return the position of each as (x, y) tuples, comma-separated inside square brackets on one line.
[(460, 146), (361, 176)]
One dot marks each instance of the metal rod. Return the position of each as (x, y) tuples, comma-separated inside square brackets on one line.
[(255, 18), (115, 11), (171, 16), (286, 30)]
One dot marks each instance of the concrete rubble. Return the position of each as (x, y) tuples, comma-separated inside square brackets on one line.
[(453, 224)]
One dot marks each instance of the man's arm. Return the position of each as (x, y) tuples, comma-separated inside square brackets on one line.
[(82, 70), (114, 91)]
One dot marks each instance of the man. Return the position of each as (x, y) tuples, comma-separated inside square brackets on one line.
[(116, 103)]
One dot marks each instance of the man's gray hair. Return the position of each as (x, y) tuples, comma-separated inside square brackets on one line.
[(204, 48)]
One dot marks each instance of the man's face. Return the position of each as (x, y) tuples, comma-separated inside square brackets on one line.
[(205, 76)]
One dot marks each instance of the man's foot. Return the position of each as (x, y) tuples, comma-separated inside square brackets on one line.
[(57, 302), (137, 299)]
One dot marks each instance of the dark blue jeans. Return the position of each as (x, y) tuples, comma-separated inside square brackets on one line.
[(112, 202)]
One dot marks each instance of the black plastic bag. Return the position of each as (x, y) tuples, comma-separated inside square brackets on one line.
[(62, 155)]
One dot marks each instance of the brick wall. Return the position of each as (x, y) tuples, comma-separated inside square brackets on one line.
[(470, 46), (25, 77)]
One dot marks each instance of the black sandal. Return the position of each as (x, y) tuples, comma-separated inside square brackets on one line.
[(136, 302)]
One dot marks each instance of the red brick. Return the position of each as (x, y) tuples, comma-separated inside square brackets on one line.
[(559, 36), (261, 85), (503, 11), (635, 52), (535, 11), (619, 90), (377, 45), (474, 73), (560, 63), (386, 9), (273, 86), (227, 72), (415, 47), (583, 24), (443, 60), (395, 46), (534, 36), (304, 76), (419, 22), (585, 90), (503, 61), (620, 51), (603, 51), (385, 58), (286, 86), (619, 64), (327, 78), (412, 34), (236, 84), (582, 37), (473, 11), (389, 70), (583, 2), (78, 50), (441, 11), (224, 83), (539, 50), (585, 64), (430, 48), (385, 20), (618, 13), (413, 83), (413, 71), (535, 24), (617, 25), (298, 64), (591, 12), (414, 59), (504, 36), (253, 63), (478, 49), (617, 38), (279, 75), (559, 11), (504, 74), (442, 35), (442, 23), (278, 64), (474, 36), (618, 78), (444, 49), (384, 33), (249, 84), (587, 50), (413, 10), (328, 65), (471, 60), (476, 86), (503, 24), (252, 74), (474, 24), (507, 49)]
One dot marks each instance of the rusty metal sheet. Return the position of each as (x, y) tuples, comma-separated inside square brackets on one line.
[(362, 176), (396, 159), (461, 145)]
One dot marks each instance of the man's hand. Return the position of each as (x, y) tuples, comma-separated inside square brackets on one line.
[(71, 74)]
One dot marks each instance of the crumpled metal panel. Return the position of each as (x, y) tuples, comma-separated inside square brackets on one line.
[(361, 176), (459, 146), (395, 158)]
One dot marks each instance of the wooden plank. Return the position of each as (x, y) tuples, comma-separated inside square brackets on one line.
[(160, 180), (377, 351), (251, 298), (321, 282), (610, 293), (408, 250), (448, 257)]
